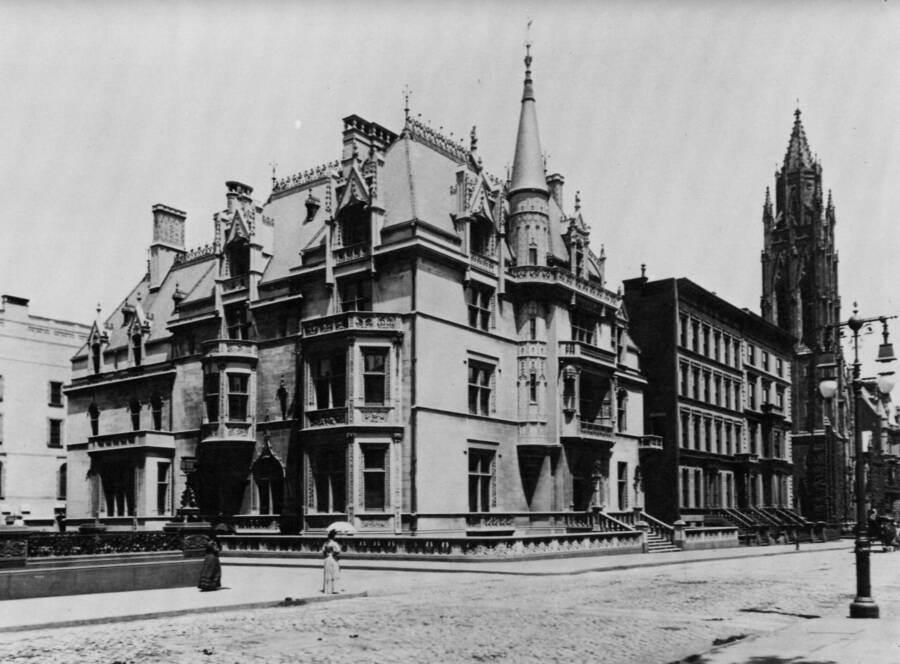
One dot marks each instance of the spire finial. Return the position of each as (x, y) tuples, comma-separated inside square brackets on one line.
[(577, 201), (274, 165), (528, 49), (797, 112), (473, 140), (406, 94), (643, 270), (98, 310)]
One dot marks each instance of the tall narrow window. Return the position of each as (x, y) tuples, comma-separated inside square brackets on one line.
[(211, 394), (134, 409), (532, 256), (95, 357), (685, 487), (374, 375), (683, 331), (94, 415), (137, 349), (156, 405), (532, 328), (356, 294), (481, 233), (374, 478), (622, 485), (56, 393), (162, 487), (329, 376), (354, 225), (329, 473), (54, 438), (61, 482), (622, 409), (238, 395), (481, 477), (479, 302), (480, 375), (532, 387)]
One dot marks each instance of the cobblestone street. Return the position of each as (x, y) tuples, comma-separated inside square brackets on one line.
[(648, 615)]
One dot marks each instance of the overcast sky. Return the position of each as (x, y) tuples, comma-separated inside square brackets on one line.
[(669, 117)]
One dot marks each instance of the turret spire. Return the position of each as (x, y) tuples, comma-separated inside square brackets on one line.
[(528, 163), (798, 154)]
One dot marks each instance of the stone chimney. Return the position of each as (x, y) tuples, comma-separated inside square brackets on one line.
[(168, 242), (555, 183), (15, 308)]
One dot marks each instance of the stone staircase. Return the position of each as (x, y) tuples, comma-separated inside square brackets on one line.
[(659, 544)]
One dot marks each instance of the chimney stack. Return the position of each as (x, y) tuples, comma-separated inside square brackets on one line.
[(168, 241)]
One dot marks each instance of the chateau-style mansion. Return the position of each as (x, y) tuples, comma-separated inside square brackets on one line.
[(396, 338)]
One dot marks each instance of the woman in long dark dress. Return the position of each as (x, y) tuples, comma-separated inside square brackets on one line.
[(211, 572)]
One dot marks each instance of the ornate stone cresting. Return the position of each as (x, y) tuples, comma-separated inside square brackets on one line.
[(305, 177)]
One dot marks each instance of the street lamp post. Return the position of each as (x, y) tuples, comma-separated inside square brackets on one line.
[(863, 606)]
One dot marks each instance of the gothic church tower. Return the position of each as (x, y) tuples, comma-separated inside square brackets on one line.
[(800, 295)]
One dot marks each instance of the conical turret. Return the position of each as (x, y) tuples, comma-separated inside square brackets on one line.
[(528, 163), (528, 193), (798, 154)]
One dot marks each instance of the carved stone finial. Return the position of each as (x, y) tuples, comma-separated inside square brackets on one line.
[(577, 201), (473, 140), (643, 270)]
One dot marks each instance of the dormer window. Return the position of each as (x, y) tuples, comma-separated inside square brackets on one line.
[(354, 226), (238, 257), (95, 356), (137, 347), (583, 327), (481, 237)]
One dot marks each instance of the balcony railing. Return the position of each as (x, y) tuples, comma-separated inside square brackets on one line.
[(601, 428), (353, 252), (233, 284), (353, 321), (326, 417), (132, 440), (225, 348), (557, 276), (650, 443), (484, 262), (578, 350)]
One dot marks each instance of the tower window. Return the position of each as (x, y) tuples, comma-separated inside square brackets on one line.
[(238, 395), (532, 387), (532, 256), (236, 322), (374, 375), (374, 477)]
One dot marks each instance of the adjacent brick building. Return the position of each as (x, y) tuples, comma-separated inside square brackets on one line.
[(719, 395)]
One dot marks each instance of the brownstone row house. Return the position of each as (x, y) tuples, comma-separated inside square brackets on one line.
[(395, 338), (719, 396)]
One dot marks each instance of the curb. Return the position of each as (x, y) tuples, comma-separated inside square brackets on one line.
[(346, 564), (286, 602)]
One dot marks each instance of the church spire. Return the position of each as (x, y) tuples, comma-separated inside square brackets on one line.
[(798, 154), (528, 165)]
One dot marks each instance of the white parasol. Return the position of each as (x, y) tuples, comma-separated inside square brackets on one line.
[(341, 528)]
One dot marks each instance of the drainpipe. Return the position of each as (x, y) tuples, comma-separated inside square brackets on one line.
[(413, 461)]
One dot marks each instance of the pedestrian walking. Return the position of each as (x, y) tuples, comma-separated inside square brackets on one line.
[(211, 572), (331, 551)]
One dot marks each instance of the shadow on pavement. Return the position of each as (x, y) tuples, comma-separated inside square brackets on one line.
[(756, 659)]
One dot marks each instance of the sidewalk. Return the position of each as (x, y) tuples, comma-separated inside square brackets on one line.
[(834, 638), (265, 582)]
